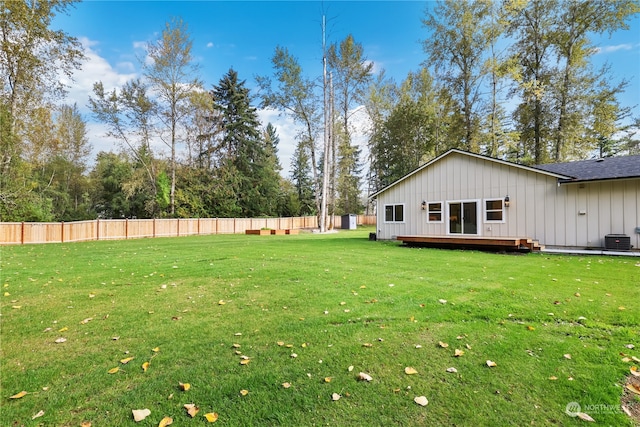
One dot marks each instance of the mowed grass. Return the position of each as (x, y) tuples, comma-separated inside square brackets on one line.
[(336, 301)]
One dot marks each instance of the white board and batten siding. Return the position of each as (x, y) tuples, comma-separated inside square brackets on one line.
[(565, 215)]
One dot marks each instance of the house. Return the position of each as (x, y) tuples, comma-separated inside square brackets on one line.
[(565, 205)]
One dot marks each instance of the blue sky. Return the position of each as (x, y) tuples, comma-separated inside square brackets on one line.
[(243, 35)]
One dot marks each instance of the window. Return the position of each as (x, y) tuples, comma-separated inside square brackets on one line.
[(394, 213), (494, 210), (434, 213)]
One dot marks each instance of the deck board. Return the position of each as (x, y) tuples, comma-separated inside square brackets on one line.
[(496, 243)]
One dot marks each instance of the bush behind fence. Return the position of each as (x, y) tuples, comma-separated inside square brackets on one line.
[(16, 233)]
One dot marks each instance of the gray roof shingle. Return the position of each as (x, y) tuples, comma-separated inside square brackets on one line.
[(597, 169)]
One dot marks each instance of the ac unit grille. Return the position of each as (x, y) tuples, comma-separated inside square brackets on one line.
[(617, 242)]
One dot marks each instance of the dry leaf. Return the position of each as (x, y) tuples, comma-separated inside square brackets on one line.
[(140, 414), (567, 356), (192, 409), (335, 396), (410, 371), (236, 346), (364, 377), (452, 370), (367, 344), (350, 368), (166, 421), (280, 343), (327, 379), (286, 385), (442, 301), (553, 378), (458, 353), (126, 360), (443, 344), (145, 366), (63, 329), (19, 395), (294, 355), (61, 340), (630, 346), (245, 361), (184, 386), (421, 400), (113, 370), (633, 388), (155, 350), (221, 302), (585, 417), (635, 359), (244, 392), (634, 371), (38, 415), (491, 364), (87, 320), (626, 360), (531, 328), (212, 417), (86, 424)]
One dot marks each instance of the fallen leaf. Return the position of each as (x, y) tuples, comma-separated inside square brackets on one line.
[(634, 371), (553, 378), (166, 421), (367, 345), (245, 361), (19, 395), (244, 392), (60, 340), (18, 307), (155, 350), (212, 417), (421, 400), (126, 360), (280, 343), (626, 360), (327, 379), (350, 368), (452, 370), (113, 370), (531, 328), (635, 359), (633, 388), (335, 396), (364, 377), (585, 417), (458, 353), (294, 355), (443, 344), (221, 302), (491, 364), (38, 415), (184, 386), (192, 409), (87, 320), (630, 346), (236, 346), (286, 385), (410, 371), (63, 329), (567, 356), (145, 366), (577, 294), (115, 338), (140, 414), (442, 301), (86, 424)]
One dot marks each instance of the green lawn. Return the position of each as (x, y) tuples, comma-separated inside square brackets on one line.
[(340, 303)]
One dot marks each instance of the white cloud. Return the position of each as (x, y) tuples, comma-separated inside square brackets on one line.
[(613, 48), (210, 45)]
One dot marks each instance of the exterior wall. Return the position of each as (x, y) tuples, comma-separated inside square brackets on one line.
[(571, 215)]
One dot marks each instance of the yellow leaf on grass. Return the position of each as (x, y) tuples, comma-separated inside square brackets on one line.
[(634, 371), (38, 415), (410, 371), (280, 343), (63, 329), (585, 417), (244, 392), (166, 421), (531, 328), (192, 409), (19, 395), (286, 385), (458, 353), (114, 370), (212, 417), (245, 361), (184, 386), (126, 360), (491, 364), (567, 356), (155, 350), (335, 396), (443, 344), (145, 366), (421, 400), (327, 379), (87, 320), (86, 424)]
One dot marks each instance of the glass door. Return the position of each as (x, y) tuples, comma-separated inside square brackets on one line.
[(463, 218)]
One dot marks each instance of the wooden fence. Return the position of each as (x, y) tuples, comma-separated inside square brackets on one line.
[(17, 233)]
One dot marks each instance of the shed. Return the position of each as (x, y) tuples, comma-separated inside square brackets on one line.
[(563, 205)]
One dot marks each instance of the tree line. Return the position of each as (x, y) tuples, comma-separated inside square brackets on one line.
[(511, 79)]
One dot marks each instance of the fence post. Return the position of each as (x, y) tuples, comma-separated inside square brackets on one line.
[(22, 234), (178, 228), (198, 226), (154, 227), (126, 228), (97, 228)]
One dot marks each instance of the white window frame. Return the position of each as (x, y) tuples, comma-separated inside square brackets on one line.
[(486, 211), (442, 211), (404, 213)]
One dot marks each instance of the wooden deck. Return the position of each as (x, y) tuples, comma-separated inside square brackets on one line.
[(509, 244)]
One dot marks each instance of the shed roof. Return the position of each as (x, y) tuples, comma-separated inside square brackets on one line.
[(596, 169)]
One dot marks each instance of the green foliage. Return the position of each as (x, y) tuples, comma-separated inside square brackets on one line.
[(326, 296), (163, 185)]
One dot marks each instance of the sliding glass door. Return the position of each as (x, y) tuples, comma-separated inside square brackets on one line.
[(463, 217)]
